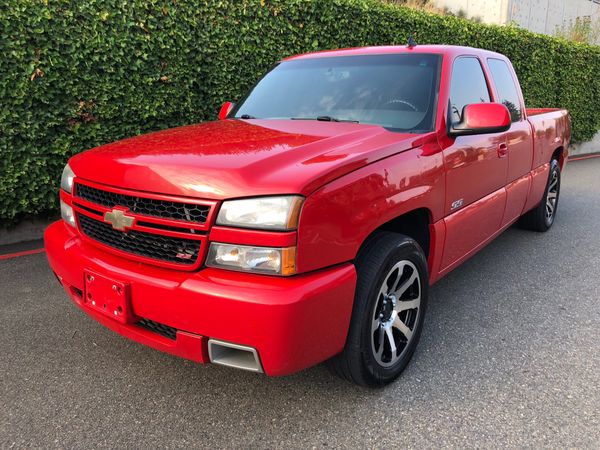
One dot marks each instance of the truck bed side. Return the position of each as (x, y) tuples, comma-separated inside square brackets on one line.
[(551, 131)]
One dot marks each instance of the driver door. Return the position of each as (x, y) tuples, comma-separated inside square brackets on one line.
[(476, 171)]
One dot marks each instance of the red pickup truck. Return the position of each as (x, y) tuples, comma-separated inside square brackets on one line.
[(308, 223)]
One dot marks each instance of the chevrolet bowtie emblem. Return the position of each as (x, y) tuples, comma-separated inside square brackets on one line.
[(119, 220)]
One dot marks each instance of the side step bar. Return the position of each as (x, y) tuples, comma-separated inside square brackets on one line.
[(233, 355)]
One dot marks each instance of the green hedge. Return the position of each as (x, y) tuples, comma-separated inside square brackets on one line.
[(76, 74)]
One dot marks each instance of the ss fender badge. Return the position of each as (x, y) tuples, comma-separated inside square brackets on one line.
[(457, 204)]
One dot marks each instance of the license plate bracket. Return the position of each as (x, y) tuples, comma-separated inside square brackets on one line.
[(109, 297)]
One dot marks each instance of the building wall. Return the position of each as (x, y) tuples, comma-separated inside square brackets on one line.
[(540, 16)]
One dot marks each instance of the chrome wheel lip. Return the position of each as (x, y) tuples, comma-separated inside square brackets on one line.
[(552, 196), (396, 313)]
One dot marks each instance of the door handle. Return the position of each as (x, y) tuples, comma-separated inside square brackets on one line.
[(502, 150)]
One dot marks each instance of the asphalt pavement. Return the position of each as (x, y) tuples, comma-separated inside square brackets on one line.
[(510, 357)]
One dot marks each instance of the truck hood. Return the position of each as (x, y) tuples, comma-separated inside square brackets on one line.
[(237, 158)]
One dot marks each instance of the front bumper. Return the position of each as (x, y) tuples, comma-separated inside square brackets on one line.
[(293, 323)]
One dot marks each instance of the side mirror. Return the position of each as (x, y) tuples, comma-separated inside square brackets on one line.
[(225, 110), (481, 118)]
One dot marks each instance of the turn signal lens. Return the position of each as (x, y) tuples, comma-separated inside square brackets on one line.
[(66, 212), (267, 260)]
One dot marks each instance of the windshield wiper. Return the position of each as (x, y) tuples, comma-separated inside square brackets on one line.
[(245, 117), (325, 119)]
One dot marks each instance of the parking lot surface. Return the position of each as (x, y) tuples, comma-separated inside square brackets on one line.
[(510, 356)]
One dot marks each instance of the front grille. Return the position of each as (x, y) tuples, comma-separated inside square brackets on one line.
[(159, 328), (162, 248), (145, 206)]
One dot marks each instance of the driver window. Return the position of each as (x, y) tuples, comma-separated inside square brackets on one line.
[(468, 86)]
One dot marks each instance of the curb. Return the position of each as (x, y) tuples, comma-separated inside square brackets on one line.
[(28, 230), (584, 156), (23, 253), (11, 251)]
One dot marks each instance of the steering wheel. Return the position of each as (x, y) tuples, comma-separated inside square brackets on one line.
[(398, 101)]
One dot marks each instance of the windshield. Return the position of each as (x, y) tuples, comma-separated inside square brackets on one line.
[(398, 92)]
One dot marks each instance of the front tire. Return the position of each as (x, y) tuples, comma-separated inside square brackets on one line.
[(389, 308), (541, 218)]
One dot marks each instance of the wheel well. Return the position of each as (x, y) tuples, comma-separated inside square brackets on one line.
[(414, 224), (559, 156)]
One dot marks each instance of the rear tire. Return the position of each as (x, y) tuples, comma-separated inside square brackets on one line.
[(389, 309), (541, 218)]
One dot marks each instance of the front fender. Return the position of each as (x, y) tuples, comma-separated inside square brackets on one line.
[(337, 218)]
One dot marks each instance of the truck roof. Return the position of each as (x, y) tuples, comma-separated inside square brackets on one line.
[(450, 50)]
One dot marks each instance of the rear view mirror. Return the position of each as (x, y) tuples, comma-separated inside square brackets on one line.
[(481, 118), (225, 110)]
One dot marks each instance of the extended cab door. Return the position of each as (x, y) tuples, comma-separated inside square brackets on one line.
[(476, 170), (519, 138)]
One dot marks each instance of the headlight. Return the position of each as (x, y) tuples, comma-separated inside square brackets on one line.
[(268, 213), (66, 182), (66, 212), (267, 260)]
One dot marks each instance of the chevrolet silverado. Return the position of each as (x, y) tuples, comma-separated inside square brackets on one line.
[(307, 224)]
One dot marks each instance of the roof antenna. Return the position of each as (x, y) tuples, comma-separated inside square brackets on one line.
[(411, 42)]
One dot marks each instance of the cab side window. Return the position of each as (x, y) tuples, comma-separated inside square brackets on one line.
[(505, 85), (468, 86)]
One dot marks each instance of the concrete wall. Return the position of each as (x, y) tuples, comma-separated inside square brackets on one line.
[(540, 16), (546, 16), (489, 11)]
